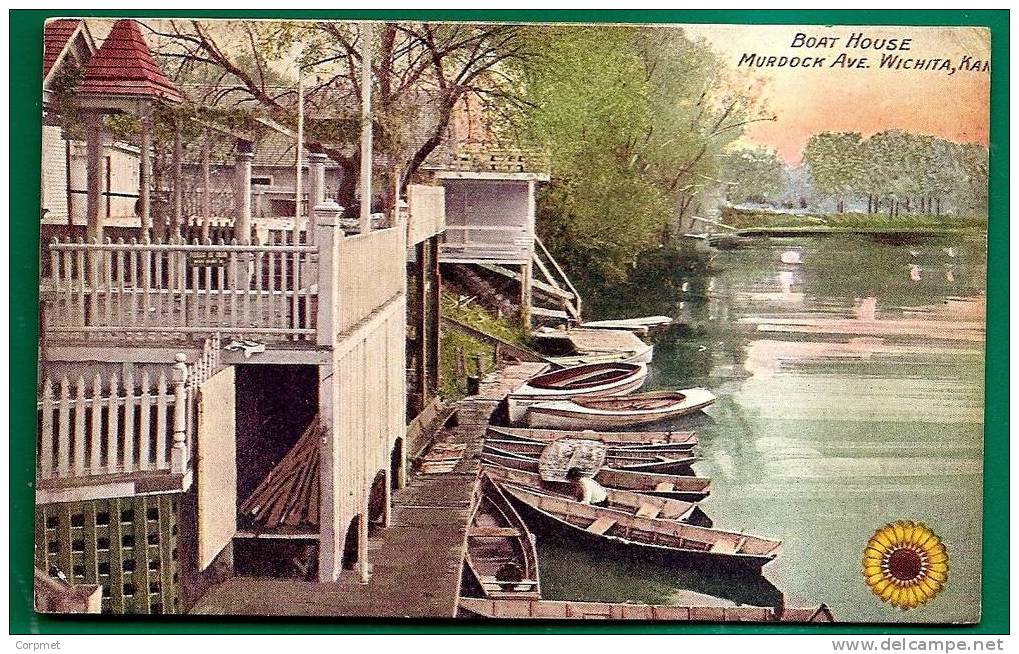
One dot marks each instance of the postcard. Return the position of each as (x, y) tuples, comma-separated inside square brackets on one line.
[(562, 321)]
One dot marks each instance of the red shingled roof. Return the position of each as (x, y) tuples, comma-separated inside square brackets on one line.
[(56, 34), (123, 65)]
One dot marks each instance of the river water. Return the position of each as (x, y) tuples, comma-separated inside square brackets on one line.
[(849, 376)]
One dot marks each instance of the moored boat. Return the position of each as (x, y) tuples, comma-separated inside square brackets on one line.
[(636, 504), (471, 607), (665, 540), (680, 487), (624, 411), (587, 380), (618, 438), (500, 556), (529, 447), (634, 461)]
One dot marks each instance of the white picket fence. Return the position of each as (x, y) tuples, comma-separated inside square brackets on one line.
[(105, 425), (139, 289), (113, 425)]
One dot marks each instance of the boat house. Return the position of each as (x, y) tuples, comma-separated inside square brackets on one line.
[(219, 404)]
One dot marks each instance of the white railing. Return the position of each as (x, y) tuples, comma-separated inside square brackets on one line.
[(107, 425), (426, 207), (113, 425), (136, 289)]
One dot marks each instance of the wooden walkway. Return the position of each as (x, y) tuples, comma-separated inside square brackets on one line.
[(416, 561)]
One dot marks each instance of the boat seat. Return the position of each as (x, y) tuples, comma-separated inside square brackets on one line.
[(665, 486), (601, 525), (494, 531), (648, 511), (724, 547)]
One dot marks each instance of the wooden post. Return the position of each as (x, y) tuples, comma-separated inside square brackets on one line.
[(316, 190), (145, 171), (179, 452), (364, 570), (330, 233), (387, 507), (242, 192), (525, 295), (206, 186), (299, 155), (365, 219), (436, 317), (178, 181), (331, 534), (94, 174)]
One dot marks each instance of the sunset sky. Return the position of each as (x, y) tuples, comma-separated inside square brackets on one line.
[(810, 100)]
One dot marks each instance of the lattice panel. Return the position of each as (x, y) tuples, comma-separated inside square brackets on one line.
[(126, 545)]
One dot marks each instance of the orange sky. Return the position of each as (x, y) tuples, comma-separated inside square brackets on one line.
[(809, 100)]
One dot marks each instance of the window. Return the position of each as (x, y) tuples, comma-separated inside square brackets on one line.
[(261, 181)]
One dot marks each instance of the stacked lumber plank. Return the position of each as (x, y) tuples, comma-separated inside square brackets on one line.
[(442, 458), (289, 495)]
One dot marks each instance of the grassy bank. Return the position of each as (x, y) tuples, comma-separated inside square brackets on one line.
[(762, 220), (454, 383)]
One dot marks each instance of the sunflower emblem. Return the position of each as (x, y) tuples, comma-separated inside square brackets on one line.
[(905, 564)]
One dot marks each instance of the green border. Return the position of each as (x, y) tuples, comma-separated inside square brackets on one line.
[(25, 131)]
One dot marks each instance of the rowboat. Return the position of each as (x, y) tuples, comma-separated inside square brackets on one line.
[(572, 347), (528, 446), (588, 380), (608, 412), (667, 541), (679, 487), (535, 609), (637, 325), (633, 461), (628, 502), (501, 558), (651, 452), (617, 438), (642, 355)]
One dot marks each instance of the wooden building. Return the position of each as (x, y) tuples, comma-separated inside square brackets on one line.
[(213, 407), (490, 225), (68, 47)]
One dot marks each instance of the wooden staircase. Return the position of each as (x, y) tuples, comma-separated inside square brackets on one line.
[(553, 295)]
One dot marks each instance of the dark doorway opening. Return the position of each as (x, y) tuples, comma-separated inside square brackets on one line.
[(275, 404), (377, 503), (350, 549), (396, 464)]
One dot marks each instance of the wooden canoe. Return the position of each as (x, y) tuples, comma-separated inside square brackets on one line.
[(529, 447), (588, 380), (679, 487), (668, 541), (614, 438), (623, 411), (628, 502), (536, 609), (501, 558), (634, 461)]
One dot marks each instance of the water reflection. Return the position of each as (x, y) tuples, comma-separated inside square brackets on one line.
[(850, 394)]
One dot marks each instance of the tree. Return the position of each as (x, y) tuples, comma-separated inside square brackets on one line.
[(835, 160), (635, 119), (421, 72), (752, 174)]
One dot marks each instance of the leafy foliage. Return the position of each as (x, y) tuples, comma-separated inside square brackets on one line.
[(911, 172), (752, 174), (635, 120)]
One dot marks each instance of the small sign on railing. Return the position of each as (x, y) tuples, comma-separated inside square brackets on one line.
[(208, 259)]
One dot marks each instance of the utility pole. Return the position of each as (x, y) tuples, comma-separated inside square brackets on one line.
[(364, 222), (298, 183)]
